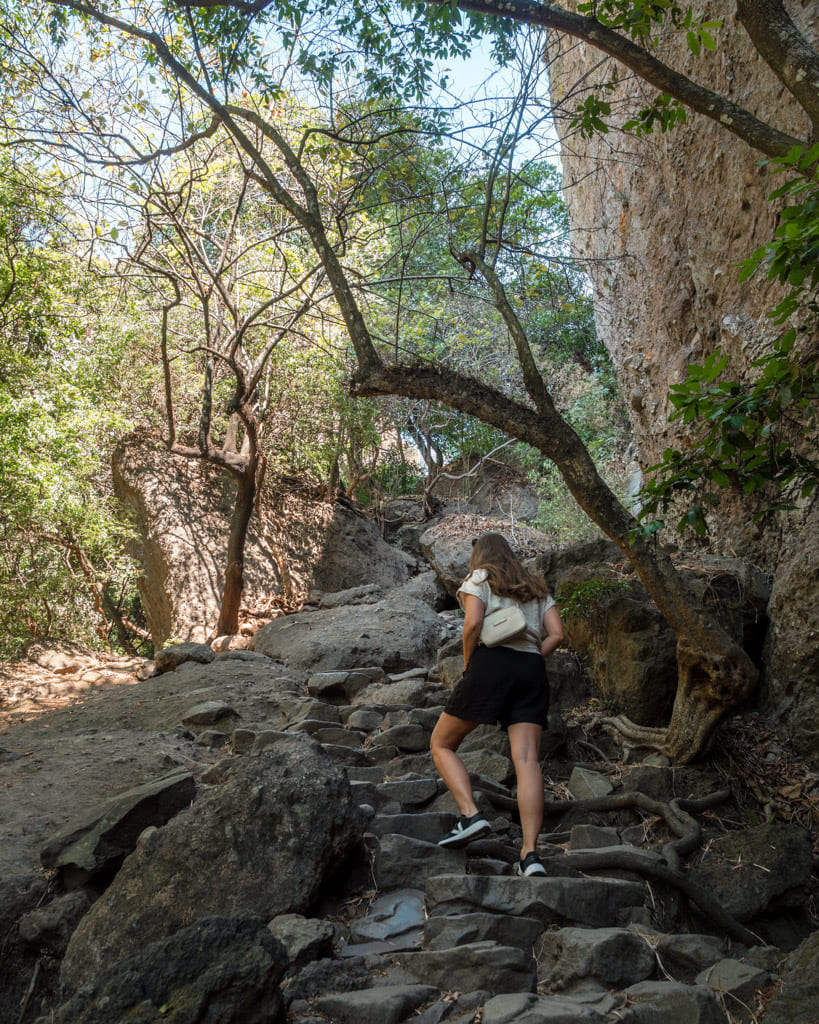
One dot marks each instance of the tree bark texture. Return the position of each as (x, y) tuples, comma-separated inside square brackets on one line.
[(228, 623)]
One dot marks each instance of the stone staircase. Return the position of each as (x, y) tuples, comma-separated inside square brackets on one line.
[(454, 935)]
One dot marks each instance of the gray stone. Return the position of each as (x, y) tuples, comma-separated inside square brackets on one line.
[(218, 969), (586, 785), (329, 686), (797, 999), (240, 654), (242, 740), (99, 840), (488, 763), (387, 1004), (736, 983), (413, 693), (172, 657), (48, 928), (749, 871), (367, 593), (403, 863), (408, 737), (302, 709), (209, 712), (592, 837), (363, 793), (684, 956), (366, 720), (304, 938), (613, 956), (427, 588), (427, 826), (408, 793), (259, 843), (394, 634), (212, 738), (528, 1008), (592, 902), (655, 782), (484, 965), (366, 773), (460, 929), (326, 732), (790, 687), (327, 976), (390, 916), (668, 1002)]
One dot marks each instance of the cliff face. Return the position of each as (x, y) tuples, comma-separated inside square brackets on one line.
[(181, 517), (663, 222)]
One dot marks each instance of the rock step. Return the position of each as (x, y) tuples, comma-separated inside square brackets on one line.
[(592, 902)]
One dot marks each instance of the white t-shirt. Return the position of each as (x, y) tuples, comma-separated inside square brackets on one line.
[(533, 611)]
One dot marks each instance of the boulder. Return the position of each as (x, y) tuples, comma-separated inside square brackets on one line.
[(590, 902), (736, 983), (48, 928), (796, 1001), (614, 956), (648, 1002), (402, 862), (528, 1008), (685, 956), (427, 587), (759, 869), (368, 593), (259, 843), (170, 658), (476, 965), (630, 651), (304, 938), (790, 686), (98, 841), (217, 969), (182, 508), (394, 634), (460, 929), (387, 1004)]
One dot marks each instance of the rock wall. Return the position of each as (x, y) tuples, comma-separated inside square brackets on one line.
[(663, 222), (181, 512)]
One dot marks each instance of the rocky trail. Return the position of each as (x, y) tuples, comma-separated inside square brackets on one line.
[(249, 836)]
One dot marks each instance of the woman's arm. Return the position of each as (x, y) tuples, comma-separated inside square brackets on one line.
[(473, 620), (553, 628)]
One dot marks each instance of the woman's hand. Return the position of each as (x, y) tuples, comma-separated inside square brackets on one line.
[(553, 628), (473, 621)]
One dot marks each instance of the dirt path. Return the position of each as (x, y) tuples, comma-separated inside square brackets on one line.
[(70, 741)]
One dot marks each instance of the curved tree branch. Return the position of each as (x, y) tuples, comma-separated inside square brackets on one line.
[(736, 119), (785, 50)]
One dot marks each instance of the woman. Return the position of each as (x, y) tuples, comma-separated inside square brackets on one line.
[(505, 684)]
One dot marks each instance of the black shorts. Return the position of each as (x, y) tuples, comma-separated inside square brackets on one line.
[(501, 685)]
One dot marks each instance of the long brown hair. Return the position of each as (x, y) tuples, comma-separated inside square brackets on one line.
[(506, 574)]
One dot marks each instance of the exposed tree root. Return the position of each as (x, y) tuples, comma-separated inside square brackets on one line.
[(654, 738), (664, 866)]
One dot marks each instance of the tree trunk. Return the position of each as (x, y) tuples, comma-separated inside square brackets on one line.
[(715, 674), (228, 623)]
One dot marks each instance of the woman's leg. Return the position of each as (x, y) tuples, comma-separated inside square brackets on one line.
[(524, 738), (446, 738)]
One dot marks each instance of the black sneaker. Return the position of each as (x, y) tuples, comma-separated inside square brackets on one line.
[(465, 830), (530, 865)]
